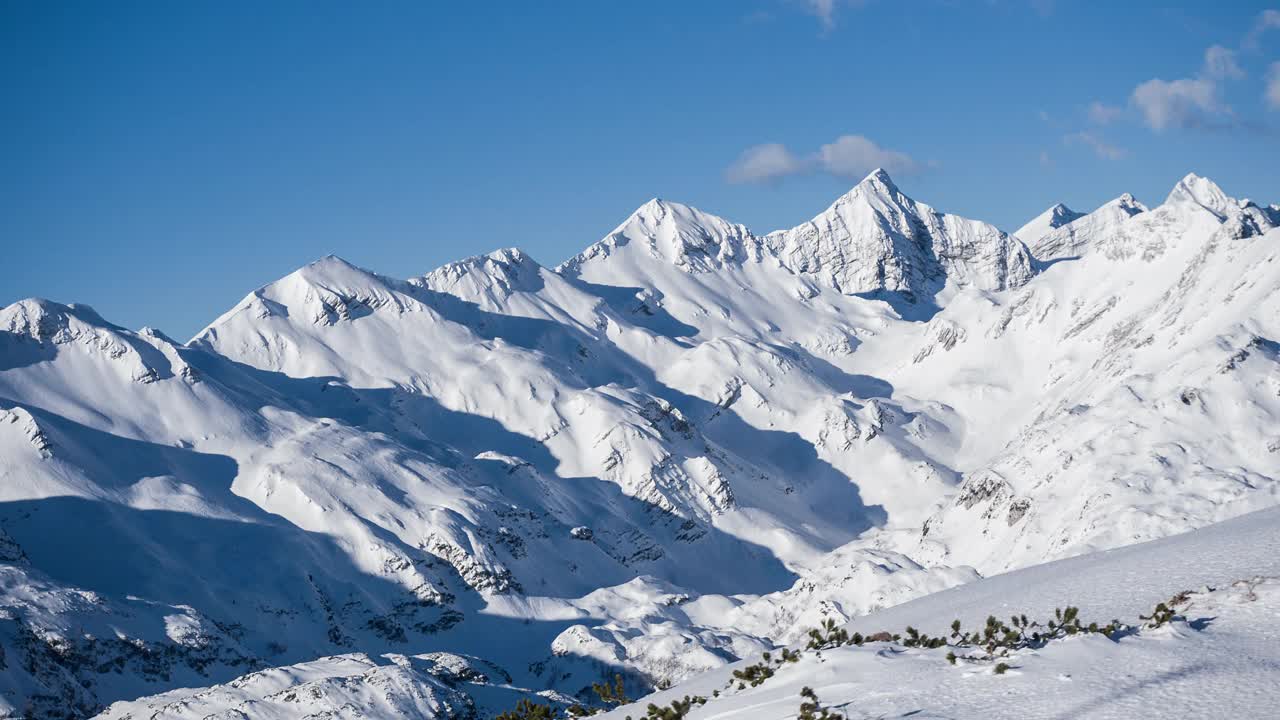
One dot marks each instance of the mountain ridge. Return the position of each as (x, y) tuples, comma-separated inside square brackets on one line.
[(685, 445)]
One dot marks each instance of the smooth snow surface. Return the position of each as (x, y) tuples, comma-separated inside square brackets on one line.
[(684, 446), (1222, 662)]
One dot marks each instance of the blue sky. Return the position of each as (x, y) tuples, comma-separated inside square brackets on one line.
[(161, 160)]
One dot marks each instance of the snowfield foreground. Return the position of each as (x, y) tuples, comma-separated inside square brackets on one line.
[(354, 495), (1220, 659)]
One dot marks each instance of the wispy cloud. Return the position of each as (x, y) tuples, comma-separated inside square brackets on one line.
[(1104, 114), (1266, 20), (1220, 63), (824, 10), (1101, 148), (848, 156), (1272, 93)]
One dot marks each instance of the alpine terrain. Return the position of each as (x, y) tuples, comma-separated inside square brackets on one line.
[(358, 496)]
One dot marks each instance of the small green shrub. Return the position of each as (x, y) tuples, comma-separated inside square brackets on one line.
[(827, 635), (611, 694), (753, 675), (811, 709), (676, 710), (528, 710)]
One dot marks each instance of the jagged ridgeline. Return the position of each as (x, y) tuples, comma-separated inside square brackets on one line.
[(689, 444)]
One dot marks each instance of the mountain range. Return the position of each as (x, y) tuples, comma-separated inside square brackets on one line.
[(686, 445)]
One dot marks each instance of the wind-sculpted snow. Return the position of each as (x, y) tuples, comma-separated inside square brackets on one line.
[(686, 445)]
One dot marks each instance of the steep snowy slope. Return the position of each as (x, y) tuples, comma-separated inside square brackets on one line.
[(1046, 222), (1219, 660), (686, 445)]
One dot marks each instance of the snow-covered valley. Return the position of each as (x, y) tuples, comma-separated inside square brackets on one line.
[(689, 444)]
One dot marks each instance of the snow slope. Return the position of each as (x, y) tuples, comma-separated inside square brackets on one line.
[(1046, 222), (686, 445), (1222, 661)]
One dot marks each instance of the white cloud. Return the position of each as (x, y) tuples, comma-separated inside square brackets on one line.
[(848, 156), (1267, 20), (1186, 102), (1101, 148), (1189, 102), (1219, 62), (855, 156), (1196, 101), (764, 163), (1272, 93), (1103, 114), (1045, 160)]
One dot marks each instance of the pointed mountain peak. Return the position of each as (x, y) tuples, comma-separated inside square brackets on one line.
[(1203, 192), (876, 184), (1063, 213), (876, 191), (879, 177), (512, 256), (658, 210), (1046, 222), (875, 238), (331, 274), (1078, 237), (322, 292), (1126, 203), (673, 232), (1060, 215), (331, 265)]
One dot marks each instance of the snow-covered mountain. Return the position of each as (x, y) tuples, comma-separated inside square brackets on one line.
[(686, 445), (1067, 234)]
